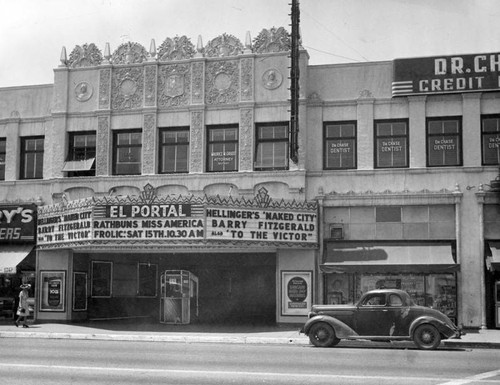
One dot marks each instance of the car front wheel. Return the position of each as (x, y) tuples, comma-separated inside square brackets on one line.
[(322, 335), (426, 337)]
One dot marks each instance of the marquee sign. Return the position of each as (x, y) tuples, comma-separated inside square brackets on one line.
[(446, 74), (149, 220)]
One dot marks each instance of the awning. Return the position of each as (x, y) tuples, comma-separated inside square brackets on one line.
[(492, 254), (385, 257), (78, 165), (11, 256)]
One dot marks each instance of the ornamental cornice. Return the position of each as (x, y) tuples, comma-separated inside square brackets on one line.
[(407, 197)]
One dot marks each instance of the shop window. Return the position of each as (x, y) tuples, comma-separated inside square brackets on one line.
[(174, 150), (271, 147), (32, 149), (147, 280), (2, 158), (81, 154), (444, 142), (490, 139), (436, 290), (127, 153), (102, 279), (340, 146), (222, 149), (391, 144)]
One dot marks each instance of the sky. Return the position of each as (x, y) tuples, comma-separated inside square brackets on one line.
[(33, 32)]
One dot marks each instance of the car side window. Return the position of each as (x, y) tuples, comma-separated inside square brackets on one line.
[(374, 300), (395, 300)]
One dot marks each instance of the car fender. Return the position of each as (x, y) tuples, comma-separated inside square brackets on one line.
[(341, 329), (427, 320)]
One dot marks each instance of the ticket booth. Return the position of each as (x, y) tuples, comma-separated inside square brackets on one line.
[(179, 297), (497, 304)]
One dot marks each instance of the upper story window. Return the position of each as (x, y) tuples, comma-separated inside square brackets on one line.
[(174, 150), (3, 142), (127, 157), (271, 147), (340, 146), (391, 144), (32, 149), (444, 142), (222, 150), (490, 139), (81, 154)]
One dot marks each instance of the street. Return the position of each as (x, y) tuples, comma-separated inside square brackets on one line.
[(50, 361)]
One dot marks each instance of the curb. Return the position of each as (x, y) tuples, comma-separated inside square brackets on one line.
[(159, 338), (212, 339)]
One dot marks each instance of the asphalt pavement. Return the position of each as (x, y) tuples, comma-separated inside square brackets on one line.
[(147, 330)]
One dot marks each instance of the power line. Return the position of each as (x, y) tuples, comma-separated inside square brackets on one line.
[(332, 54), (336, 36)]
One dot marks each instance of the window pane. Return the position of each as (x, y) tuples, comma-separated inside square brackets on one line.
[(491, 149), (174, 151), (2, 145), (32, 158), (340, 153), (491, 125), (450, 127), (223, 149), (392, 152), (435, 127), (392, 144), (384, 129), (388, 214), (444, 151)]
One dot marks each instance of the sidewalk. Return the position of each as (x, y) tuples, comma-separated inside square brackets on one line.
[(137, 330)]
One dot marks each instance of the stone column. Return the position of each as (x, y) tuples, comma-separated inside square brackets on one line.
[(471, 129), (246, 142), (149, 144), (103, 146), (417, 130), (197, 140), (13, 147), (365, 131)]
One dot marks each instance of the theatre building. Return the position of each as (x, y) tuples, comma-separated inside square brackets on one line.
[(164, 187), (163, 183)]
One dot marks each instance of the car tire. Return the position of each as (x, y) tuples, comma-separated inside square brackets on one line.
[(426, 337), (322, 335)]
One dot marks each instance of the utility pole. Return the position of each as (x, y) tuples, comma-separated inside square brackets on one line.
[(294, 83)]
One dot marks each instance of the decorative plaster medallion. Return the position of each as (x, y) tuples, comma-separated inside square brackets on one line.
[(128, 87), (272, 79), (222, 81), (174, 85), (83, 91)]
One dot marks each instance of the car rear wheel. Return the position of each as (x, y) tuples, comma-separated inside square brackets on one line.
[(426, 337), (322, 335)]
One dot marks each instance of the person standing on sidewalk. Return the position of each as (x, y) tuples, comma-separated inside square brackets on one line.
[(23, 310)]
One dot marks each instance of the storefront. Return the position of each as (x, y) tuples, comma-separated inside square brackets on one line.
[(17, 253), (102, 258), (426, 270)]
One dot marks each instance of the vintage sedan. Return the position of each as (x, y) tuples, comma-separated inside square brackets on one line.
[(379, 315)]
